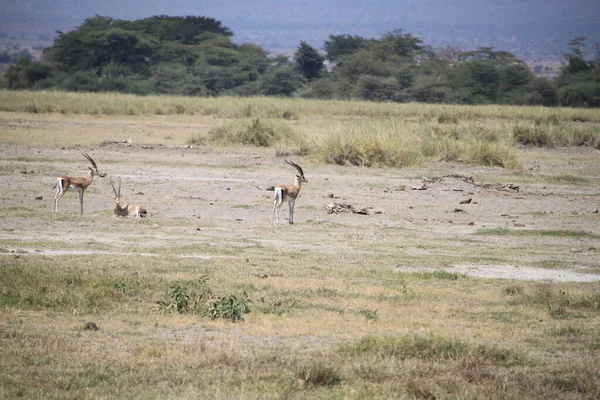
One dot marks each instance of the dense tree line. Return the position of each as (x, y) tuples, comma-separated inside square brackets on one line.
[(196, 56)]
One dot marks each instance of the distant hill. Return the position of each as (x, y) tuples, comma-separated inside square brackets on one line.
[(531, 29)]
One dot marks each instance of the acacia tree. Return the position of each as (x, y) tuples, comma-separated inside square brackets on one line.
[(308, 61), (579, 81)]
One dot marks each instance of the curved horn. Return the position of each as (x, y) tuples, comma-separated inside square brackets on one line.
[(293, 164), (90, 160), (119, 186), (113, 187)]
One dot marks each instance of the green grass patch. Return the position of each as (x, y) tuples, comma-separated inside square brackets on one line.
[(537, 232), (568, 179), (431, 348), (35, 288)]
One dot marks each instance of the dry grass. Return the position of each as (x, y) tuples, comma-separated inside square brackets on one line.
[(341, 306)]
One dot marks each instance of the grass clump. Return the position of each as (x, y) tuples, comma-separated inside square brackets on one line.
[(251, 132), (472, 143), (558, 302), (556, 134), (369, 144), (318, 374)]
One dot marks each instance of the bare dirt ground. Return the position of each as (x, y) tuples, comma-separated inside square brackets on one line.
[(429, 217)]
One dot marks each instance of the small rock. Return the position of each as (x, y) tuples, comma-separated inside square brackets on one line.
[(40, 198), (420, 187), (595, 211), (467, 201), (90, 326)]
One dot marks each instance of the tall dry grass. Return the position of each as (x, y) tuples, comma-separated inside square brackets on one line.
[(267, 107), (346, 132)]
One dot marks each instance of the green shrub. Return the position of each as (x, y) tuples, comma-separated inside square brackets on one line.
[(229, 307)]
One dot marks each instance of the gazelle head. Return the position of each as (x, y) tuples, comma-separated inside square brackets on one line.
[(115, 191), (94, 167), (300, 177)]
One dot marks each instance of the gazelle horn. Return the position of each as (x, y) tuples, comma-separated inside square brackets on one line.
[(293, 164)]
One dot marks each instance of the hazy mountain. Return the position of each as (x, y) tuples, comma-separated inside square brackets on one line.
[(532, 29)]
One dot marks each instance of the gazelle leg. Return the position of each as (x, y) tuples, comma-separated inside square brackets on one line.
[(59, 193), (277, 202), (276, 206), (291, 206), (80, 200)]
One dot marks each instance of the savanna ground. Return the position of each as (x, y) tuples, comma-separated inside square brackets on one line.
[(424, 294)]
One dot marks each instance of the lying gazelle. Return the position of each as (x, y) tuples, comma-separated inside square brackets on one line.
[(289, 193), (67, 183), (127, 210)]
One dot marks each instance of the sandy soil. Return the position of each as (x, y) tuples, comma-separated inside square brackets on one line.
[(220, 195)]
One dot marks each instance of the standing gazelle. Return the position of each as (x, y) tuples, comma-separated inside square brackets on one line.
[(66, 183), (289, 193), (135, 210)]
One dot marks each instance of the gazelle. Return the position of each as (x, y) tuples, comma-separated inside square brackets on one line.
[(289, 193), (66, 183), (135, 210)]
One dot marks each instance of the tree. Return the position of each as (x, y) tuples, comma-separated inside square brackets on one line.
[(281, 82), (579, 81), (25, 73), (308, 61), (402, 44), (342, 45)]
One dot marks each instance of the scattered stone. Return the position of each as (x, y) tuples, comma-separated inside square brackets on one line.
[(336, 208), (467, 201), (422, 186), (458, 210), (40, 198), (90, 326), (595, 211), (519, 225)]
